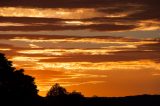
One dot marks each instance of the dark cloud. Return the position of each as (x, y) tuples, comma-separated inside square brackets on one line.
[(152, 47), (143, 52), (98, 27), (119, 56), (72, 3), (36, 24), (31, 20), (5, 45), (59, 3)]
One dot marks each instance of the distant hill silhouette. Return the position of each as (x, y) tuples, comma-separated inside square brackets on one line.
[(18, 89)]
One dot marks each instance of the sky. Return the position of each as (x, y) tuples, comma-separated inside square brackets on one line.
[(97, 47)]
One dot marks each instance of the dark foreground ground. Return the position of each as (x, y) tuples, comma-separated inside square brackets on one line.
[(142, 100)]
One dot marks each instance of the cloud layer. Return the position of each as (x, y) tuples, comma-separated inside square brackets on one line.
[(95, 15)]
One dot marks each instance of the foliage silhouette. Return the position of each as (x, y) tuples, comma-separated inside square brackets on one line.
[(14, 84), (59, 96), (57, 90)]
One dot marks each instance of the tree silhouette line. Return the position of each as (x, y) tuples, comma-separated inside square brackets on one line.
[(19, 89)]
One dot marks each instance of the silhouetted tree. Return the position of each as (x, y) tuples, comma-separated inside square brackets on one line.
[(57, 90), (24, 84), (14, 84), (58, 96)]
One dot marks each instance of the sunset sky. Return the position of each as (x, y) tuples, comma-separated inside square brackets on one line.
[(97, 47)]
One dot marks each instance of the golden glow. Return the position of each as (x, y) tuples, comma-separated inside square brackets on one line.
[(33, 46), (5, 49), (79, 13), (116, 15), (87, 65), (50, 13), (100, 66), (11, 24), (78, 23), (156, 74), (149, 25), (89, 40), (45, 51), (59, 52), (74, 22), (23, 58)]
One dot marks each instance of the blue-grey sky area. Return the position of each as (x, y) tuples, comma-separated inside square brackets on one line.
[(131, 34)]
